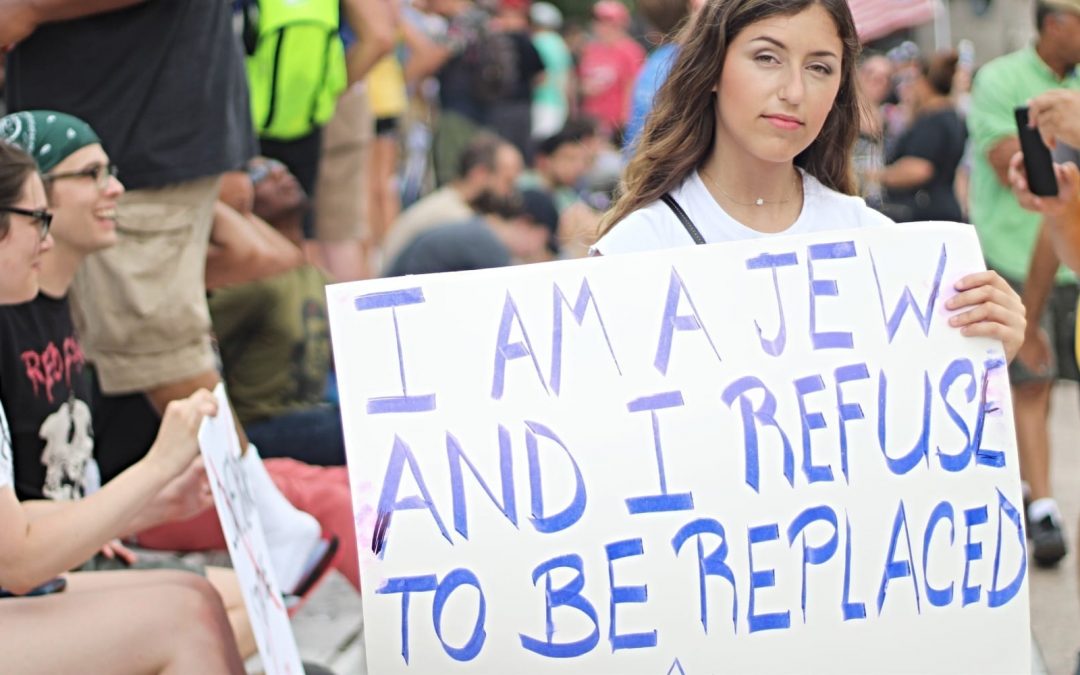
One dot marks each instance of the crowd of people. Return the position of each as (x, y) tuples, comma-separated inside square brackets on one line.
[(169, 222)]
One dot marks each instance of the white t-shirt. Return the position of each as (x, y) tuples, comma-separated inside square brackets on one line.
[(655, 226), (7, 468)]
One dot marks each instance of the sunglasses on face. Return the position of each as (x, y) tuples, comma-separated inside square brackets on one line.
[(258, 172), (101, 173), (42, 217)]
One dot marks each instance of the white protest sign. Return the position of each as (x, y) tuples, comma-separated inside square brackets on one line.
[(764, 456), (247, 547)]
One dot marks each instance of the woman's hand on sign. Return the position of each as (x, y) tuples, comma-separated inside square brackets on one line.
[(989, 307), (177, 442)]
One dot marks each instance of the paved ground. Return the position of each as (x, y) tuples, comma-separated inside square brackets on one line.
[(329, 629), (1055, 600)]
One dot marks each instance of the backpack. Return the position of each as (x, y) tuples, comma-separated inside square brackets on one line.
[(295, 65), (493, 59)]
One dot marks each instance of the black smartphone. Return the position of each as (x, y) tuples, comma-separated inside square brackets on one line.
[(51, 586), (1038, 163)]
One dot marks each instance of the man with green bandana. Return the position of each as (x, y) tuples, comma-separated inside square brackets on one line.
[(1008, 232)]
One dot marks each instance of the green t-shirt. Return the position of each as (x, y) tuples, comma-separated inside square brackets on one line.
[(274, 340), (557, 65), (1007, 232)]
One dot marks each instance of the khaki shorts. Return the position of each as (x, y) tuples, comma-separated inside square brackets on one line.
[(140, 306), (341, 194)]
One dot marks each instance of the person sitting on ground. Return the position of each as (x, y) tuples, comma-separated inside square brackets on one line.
[(176, 619), (176, 118), (52, 436), (488, 165), (563, 163), (562, 160), (243, 247), (125, 425), (273, 334), (518, 229)]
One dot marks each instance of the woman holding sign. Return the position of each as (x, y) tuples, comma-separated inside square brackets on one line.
[(751, 136), (119, 622)]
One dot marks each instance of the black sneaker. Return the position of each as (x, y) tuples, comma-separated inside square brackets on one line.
[(1047, 542)]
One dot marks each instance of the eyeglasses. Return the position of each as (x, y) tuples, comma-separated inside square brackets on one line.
[(42, 217), (259, 171), (101, 173)]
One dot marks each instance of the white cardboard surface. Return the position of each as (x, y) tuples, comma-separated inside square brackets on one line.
[(247, 547), (508, 591)]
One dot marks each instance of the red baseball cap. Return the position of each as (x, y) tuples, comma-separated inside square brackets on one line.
[(613, 11)]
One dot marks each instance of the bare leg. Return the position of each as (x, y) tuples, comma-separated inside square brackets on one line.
[(227, 585), (346, 260), (222, 579), (1031, 410), (177, 628), (385, 203)]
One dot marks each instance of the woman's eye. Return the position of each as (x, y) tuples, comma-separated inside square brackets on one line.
[(766, 58), (821, 69)]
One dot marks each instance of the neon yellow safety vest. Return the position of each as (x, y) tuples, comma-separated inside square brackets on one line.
[(295, 66)]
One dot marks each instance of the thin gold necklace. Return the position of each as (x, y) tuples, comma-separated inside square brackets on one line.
[(757, 202)]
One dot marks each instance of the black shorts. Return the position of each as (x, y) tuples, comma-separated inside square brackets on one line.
[(387, 126)]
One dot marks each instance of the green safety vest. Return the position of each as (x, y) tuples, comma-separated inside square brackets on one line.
[(295, 65)]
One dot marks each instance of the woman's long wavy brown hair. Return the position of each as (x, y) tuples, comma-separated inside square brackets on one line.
[(680, 132)]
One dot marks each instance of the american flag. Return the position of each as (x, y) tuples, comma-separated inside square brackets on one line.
[(878, 18)]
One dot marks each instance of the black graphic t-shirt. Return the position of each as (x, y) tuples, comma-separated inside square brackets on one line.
[(46, 393), (7, 472)]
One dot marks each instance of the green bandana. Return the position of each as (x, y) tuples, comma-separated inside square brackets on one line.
[(49, 137)]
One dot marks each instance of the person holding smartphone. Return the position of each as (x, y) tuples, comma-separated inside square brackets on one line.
[(176, 619), (1008, 234), (1056, 116)]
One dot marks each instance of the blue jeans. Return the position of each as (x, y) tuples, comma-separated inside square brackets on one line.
[(312, 436)]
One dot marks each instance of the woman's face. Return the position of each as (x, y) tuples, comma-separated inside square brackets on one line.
[(780, 80), (875, 79), (21, 248), (84, 198)]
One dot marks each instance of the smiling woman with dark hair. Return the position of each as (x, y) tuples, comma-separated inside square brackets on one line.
[(176, 619)]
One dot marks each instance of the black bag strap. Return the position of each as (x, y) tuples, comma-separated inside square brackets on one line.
[(683, 218)]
